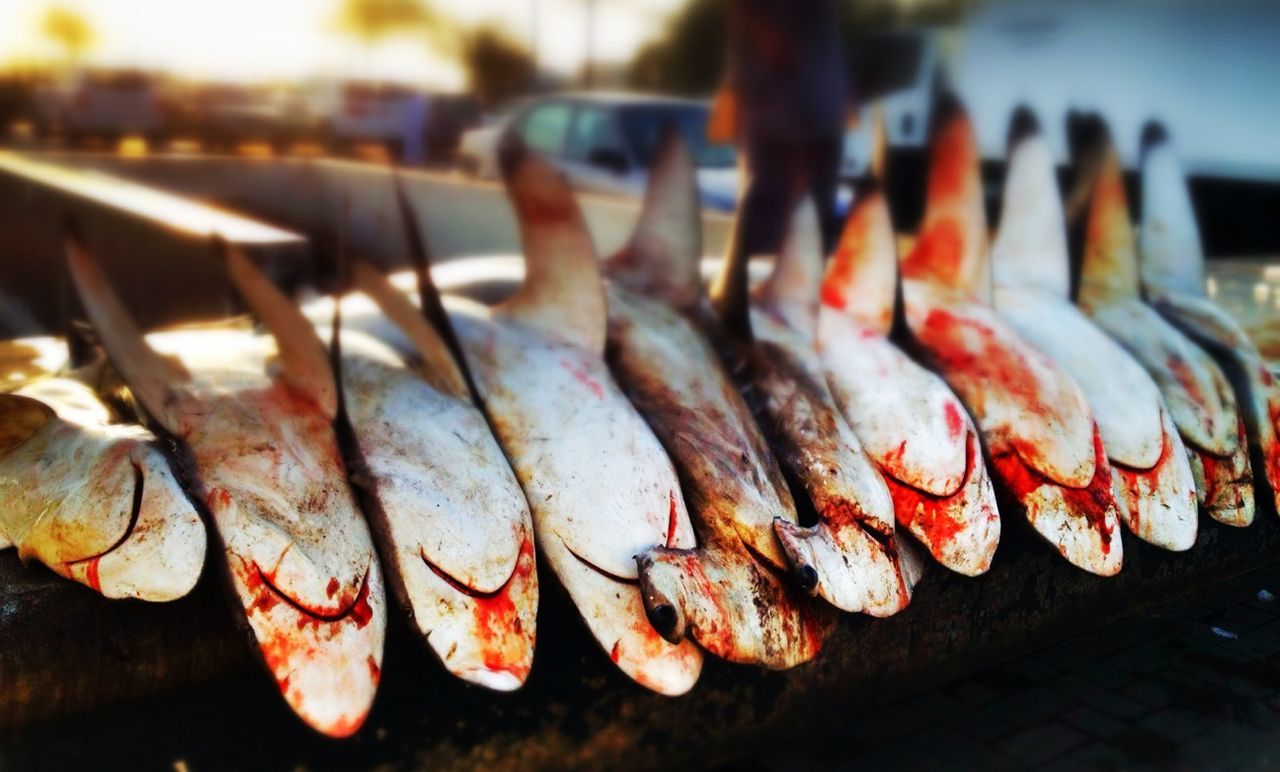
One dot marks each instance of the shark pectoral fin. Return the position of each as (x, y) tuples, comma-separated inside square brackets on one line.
[(792, 288), (862, 277), (439, 366), (662, 258), (20, 419), (303, 359), (150, 375), (1030, 249), (952, 248), (562, 294)]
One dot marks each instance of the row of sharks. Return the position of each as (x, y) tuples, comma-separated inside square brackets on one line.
[(705, 469)]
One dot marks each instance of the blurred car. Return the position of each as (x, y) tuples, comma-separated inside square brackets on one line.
[(604, 142), (102, 104), (414, 125)]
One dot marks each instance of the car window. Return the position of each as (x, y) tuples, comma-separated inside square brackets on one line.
[(593, 130), (544, 129), (643, 126)]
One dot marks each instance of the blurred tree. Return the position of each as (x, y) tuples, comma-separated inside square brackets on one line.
[(498, 67), (375, 20), (69, 30)]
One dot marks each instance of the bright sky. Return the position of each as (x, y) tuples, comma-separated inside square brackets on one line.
[(268, 39)]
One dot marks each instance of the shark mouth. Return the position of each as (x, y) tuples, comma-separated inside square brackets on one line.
[(357, 610), (91, 563), (470, 591), (930, 512), (599, 570)]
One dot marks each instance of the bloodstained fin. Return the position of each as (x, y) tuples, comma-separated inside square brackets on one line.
[(1110, 268), (862, 277), (304, 361), (20, 419), (662, 257), (439, 366), (952, 250), (793, 286), (562, 294), (1030, 249), (878, 166), (151, 376), (1172, 254)]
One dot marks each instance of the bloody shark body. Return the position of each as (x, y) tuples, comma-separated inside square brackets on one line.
[(767, 336), (1045, 449), (1173, 275), (1151, 475), (909, 422), (1196, 393), (599, 485), (443, 503), (254, 414), (728, 593), (91, 498)]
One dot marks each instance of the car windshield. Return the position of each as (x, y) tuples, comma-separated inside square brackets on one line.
[(643, 126)]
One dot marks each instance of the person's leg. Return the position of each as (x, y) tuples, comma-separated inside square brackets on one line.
[(771, 170), (823, 158)]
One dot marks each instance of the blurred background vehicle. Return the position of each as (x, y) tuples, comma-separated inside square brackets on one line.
[(415, 126), (105, 104)]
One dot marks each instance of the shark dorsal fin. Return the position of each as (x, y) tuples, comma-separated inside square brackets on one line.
[(1110, 262), (438, 365), (303, 360), (1030, 248), (562, 294), (662, 257), (1172, 255), (878, 166), (952, 249), (792, 288), (20, 418), (151, 376), (862, 277)]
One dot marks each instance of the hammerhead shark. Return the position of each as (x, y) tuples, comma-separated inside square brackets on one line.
[(1196, 393), (728, 593), (1045, 449), (769, 340), (446, 510), (910, 423), (599, 484), (253, 418), (1150, 472), (1173, 276), (87, 494)]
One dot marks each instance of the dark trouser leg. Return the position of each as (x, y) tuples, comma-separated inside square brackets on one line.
[(822, 159)]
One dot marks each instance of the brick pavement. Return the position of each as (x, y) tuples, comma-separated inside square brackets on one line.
[(1195, 685)]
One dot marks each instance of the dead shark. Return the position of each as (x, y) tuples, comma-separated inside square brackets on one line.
[(1045, 448), (728, 593), (599, 484), (450, 518), (1173, 276), (769, 340), (89, 496), (909, 422), (1150, 472), (254, 414), (1196, 393)]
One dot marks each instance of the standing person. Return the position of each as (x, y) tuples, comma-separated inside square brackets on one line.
[(787, 97)]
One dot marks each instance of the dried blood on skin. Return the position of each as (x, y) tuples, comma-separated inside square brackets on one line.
[(1186, 379), (939, 253), (581, 376), (332, 587), (955, 423), (91, 574), (1091, 502), (499, 630), (1139, 484), (672, 520), (375, 672), (941, 518)]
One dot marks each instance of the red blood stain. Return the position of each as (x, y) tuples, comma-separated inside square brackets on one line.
[(375, 672), (91, 574), (833, 295), (332, 587), (218, 499), (615, 652), (1090, 502), (939, 252), (939, 518), (1186, 379), (672, 522), (955, 423), (1272, 449), (1141, 484), (504, 642), (1223, 474), (361, 612), (345, 726), (581, 376)]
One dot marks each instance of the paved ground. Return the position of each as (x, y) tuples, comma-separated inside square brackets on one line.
[(1193, 686)]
